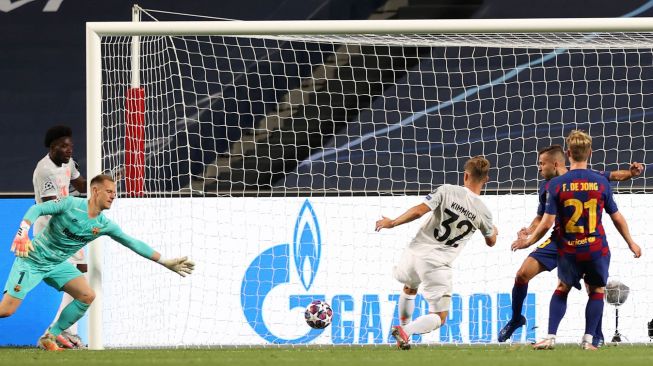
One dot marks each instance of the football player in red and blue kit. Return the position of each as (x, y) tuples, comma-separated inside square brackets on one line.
[(575, 202), (551, 164)]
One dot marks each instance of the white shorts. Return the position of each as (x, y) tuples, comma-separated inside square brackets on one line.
[(435, 280), (41, 223)]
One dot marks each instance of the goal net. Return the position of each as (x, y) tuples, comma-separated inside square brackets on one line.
[(268, 158)]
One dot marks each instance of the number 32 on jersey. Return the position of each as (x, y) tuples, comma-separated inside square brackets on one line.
[(452, 218)]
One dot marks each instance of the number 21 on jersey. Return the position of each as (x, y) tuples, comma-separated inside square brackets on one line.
[(591, 206)]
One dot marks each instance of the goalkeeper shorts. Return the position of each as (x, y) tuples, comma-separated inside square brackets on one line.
[(25, 275)]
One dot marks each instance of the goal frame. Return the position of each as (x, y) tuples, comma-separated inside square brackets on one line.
[(96, 30)]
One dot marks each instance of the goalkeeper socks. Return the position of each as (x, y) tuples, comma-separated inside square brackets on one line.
[(593, 312), (424, 324), (557, 310), (519, 292), (69, 316), (65, 301), (406, 308)]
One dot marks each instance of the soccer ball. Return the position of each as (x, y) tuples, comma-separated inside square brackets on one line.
[(318, 314)]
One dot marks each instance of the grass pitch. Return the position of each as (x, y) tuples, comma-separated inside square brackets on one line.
[(504, 355)]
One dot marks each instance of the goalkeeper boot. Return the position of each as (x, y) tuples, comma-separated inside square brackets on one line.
[(63, 342), (402, 338), (546, 343), (73, 339), (48, 342), (510, 328)]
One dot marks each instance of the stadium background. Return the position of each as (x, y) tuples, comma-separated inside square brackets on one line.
[(43, 83)]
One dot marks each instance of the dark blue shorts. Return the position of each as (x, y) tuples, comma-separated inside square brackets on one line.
[(593, 272), (547, 254)]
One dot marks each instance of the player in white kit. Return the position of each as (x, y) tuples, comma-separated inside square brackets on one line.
[(53, 176), (456, 213)]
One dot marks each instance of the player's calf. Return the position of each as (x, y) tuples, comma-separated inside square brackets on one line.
[(406, 305), (8, 306), (5, 313)]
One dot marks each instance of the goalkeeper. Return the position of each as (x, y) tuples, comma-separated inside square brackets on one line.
[(74, 223)]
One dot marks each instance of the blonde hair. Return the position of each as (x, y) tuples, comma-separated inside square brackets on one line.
[(101, 178), (478, 167), (579, 145)]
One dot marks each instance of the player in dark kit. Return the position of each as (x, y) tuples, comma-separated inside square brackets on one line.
[(576, 200), (551, 163)]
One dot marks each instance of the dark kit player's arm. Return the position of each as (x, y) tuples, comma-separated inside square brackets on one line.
[(524, 232), (635, 170), (539, 232), (79, 184), (622, 226)]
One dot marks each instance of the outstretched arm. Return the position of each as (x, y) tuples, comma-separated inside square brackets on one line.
[(635, 170), (622, 226), (412, 214), (182, 266)]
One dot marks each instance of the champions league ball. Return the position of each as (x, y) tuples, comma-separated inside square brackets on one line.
[(318, 314)]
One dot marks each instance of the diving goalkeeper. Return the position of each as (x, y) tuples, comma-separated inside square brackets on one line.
[(75, 222)]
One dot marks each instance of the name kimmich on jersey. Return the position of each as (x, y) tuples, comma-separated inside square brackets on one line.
[(456, 214)]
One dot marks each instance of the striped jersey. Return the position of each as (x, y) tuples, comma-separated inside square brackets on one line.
[(578, 199)]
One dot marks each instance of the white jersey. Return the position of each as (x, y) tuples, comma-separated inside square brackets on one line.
[(457, 214), (50, 180)]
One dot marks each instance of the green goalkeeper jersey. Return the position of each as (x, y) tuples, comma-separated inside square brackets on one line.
[(70, 229)]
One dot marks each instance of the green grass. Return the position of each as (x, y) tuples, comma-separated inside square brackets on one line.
[(521, 355)]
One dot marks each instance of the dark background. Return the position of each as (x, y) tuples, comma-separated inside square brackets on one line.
[(42, 76)]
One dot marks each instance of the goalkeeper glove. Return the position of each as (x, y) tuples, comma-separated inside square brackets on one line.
[(182, 266), (21, 245)]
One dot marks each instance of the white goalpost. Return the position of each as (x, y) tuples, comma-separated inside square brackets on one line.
[(266, 151)]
